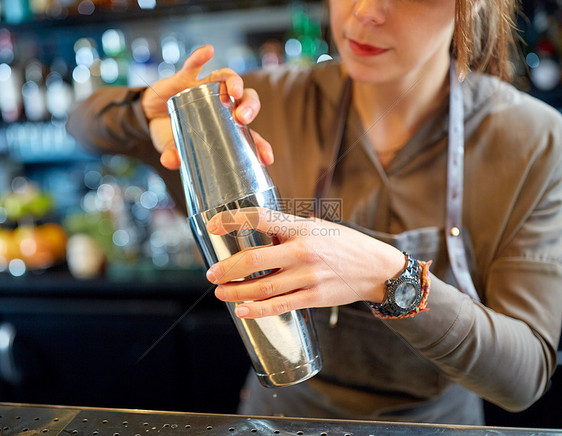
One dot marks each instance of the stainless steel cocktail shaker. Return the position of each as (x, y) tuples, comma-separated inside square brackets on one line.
[(220, 171)]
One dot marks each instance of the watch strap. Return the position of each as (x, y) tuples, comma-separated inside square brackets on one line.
[(425, 283)]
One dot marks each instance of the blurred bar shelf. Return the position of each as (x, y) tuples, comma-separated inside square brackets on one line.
[(133, 12), (122, 282), (36, 142)]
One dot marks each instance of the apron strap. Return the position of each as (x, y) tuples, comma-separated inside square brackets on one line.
[(455, 172), (326, 175)]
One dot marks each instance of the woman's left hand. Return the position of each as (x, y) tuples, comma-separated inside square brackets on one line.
[(316, 263)]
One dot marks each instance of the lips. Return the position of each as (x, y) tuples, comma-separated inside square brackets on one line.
[(365, 50)]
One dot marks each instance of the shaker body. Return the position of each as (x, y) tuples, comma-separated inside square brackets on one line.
[(283, 349), (218, 161), (220, 172)]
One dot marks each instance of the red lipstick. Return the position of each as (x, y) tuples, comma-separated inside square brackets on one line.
[(365, 50)]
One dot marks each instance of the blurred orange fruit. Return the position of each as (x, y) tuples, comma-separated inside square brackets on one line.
[(38, 246), (56, 237), (9, 248)]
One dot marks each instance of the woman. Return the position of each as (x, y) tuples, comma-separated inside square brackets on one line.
[(385, 137)]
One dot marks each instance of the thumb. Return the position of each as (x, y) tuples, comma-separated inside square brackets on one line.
[(263, 149), (170, 159), (163, 140)]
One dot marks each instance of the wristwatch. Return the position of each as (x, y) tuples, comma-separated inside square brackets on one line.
[(403, 292)]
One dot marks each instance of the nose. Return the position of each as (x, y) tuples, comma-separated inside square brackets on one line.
[(370, 11)]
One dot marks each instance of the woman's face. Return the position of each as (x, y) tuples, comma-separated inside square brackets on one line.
[(382, 41)]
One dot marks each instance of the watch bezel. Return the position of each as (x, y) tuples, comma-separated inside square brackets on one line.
[(389, 304), (410, 274)]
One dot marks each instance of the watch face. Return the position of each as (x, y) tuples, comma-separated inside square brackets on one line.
[(405, 294)]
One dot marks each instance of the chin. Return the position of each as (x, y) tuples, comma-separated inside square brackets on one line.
[(368, 75), (367, 72)]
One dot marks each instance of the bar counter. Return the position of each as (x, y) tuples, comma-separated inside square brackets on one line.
[(28, 419)]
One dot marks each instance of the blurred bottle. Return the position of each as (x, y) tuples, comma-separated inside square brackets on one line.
[(543, 41), (86, 7), (546, 70), (58, 9), (271, 54), (241, 59), (173, 53), (305, 43), (34, 91), (120, 6), (16, 11), (146, 4), (143, 68), (60, 96), (39, 7), (114, 66), (10, 79), (86, 76), (84, 257)]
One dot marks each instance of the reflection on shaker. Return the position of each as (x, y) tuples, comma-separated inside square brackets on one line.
[(282, 336), (220, 172)]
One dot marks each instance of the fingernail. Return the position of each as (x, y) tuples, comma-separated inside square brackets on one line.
[(164, 158), (212, 226), (219, 292), (242, 311), (270, 157), (170, 159), (211, 275)]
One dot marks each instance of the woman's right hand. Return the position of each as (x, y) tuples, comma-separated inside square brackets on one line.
[(155, 97)]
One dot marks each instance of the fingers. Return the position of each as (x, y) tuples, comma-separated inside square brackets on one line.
[(300, 299), (155, 97), (248, 106), (274, 223), (161, 133), (245, 113), (260, 288), (170, 159), (234, 83), (163, 140), (194, 64), (263, 149), (249, 261), (272, 294)]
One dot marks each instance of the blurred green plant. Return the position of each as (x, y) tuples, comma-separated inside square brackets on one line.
[(99, 226), (29, 203)]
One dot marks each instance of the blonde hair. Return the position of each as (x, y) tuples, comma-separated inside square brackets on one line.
[(484, 37)]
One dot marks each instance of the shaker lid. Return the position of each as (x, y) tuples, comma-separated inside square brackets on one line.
[(195, 93)]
